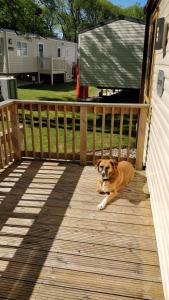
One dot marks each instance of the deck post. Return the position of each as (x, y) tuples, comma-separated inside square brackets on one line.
[(15, 135), (83, 135), (38, 77), (141, 138), (51, 70), (38, 63)]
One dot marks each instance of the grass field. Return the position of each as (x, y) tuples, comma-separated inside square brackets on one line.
[(67, 92), (44, 92), (77, 127)]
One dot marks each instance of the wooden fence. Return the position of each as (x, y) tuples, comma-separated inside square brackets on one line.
[(71, 131)]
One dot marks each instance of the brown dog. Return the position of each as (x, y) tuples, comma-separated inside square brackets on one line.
[(114, 176)]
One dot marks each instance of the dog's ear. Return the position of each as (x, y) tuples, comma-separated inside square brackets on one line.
[(97, 163), (114, 163)]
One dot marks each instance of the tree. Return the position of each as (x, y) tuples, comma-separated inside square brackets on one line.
[(69, 16), (23, 15), (74, 15), (135, 11)]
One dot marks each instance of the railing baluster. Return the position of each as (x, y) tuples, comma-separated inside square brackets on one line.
[(32, 130), (40, 130), (130, 132), (4, 136), (103, 130), (48, 132), (57, 131), (15, 134), (94, 133), (2, 163), (111, 131), (121, 132), (83, 135), (73, 133), (2, 158), (9, 134), (24, 130), (65, 133)]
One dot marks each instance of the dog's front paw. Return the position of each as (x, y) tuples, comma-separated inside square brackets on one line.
[(101, 206)]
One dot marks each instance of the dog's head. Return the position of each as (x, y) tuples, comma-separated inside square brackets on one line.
[(107, 168)]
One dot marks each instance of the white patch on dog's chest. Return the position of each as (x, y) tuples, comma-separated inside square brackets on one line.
[(105, 187)]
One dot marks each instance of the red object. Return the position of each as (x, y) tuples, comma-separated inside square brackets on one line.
[(85, 90), (81, 91), (77, 86), (76, 71)]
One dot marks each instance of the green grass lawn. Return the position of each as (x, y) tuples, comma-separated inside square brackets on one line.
[(77, 133), (59, 91), (67, 92)]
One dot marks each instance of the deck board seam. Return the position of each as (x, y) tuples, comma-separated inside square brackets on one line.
[(57, 215), (81, 289)]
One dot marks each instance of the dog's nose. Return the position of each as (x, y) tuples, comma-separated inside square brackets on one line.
[(103, 173)]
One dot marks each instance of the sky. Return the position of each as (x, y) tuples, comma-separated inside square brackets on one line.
[(126, 3)]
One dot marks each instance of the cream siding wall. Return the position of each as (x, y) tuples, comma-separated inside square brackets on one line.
[(158, 157), (29, 63), (22, 64), (68, 49), (111, 55)]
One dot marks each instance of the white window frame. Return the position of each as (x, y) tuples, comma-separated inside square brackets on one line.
[(20, 52)]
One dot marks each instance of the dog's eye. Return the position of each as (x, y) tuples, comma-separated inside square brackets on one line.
[(107, 168), (101, 169)]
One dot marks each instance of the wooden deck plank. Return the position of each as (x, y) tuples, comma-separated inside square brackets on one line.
[(51, 222), (93, 250), (86, 236), (87, 264), (30, 201), (85, 214), (88, 206), (44, 291), (53, 241), (87, 281)]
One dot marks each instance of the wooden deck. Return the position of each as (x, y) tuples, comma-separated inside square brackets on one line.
[(54, 244)]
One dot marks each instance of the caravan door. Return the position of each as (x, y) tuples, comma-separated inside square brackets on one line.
[(41, 54)]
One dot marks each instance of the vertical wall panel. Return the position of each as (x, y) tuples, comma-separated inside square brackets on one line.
[(111, 55), (158, 158)]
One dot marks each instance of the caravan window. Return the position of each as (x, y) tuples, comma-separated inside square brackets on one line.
[(22, 49), (59, 52)]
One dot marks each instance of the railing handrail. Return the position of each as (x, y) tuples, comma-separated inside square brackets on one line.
[(6, 103), (123, 105), (58, 58)]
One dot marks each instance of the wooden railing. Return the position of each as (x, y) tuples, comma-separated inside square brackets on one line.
[(9, 133), (44, 64), (51, 64), (71, 131), (82, 131), (59, 64)]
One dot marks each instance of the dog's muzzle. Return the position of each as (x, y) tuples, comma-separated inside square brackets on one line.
[(104, 176)]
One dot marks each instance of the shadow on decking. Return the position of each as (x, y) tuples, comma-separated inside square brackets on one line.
[(20, 223), (54, 244)]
